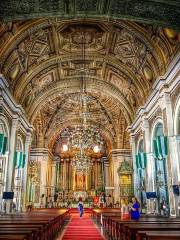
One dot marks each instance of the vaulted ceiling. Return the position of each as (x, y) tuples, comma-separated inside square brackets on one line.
[(159, 12), (42, 60)]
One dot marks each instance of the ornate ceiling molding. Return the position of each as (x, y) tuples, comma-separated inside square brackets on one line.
[(69, 102), (42, 61), (72, 85), (53, 64), (159, 12), (45, 33)]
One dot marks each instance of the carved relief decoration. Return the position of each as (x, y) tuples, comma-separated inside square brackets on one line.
[(43, 63)]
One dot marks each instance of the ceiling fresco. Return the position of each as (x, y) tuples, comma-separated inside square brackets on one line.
[(43, 63)]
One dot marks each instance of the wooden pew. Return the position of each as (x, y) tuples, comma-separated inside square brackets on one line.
[(130, 230), (158, 235), (97, 213), (12, 237), (113, 224), (41, 224), (118, 228)]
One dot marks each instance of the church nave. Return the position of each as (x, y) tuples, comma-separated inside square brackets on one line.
[(89, 119)]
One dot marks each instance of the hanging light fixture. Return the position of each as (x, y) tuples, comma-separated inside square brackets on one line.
[(96, 149), (64, 147), (83, 136), (81, 161)]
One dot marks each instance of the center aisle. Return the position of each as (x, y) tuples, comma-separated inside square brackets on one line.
[(81, 229)]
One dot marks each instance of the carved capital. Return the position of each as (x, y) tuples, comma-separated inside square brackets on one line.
[(165, 101), (145, 124), (28, 138), (15, 123)]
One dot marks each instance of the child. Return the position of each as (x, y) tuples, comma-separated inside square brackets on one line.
[(124, 210)]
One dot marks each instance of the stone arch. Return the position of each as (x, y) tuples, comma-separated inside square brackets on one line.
[(5, 128), (155, 123), (105, 132), (71, 86), (52, 63)]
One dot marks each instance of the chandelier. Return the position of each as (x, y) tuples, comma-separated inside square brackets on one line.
[(81, 162), (83, 136)]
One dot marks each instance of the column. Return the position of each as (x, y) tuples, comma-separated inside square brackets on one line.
[(64, 175), (12, 149), (103, 174), (106, 174), (25, 175), (150, 164), (43, 182), (10, 175), (89, 174), (133, 149), (116, 177), (103, 163), (96, 174), (99, 174), (53, 178), (74, 180), (61, 173), (71, 175), (67, 174), (86, 188), (172, 160), (93, 175)]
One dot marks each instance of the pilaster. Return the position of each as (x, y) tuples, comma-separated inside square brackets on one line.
[(41, 155), (25, 176), (150, 164), (14, 128), (133, 150), (53, 178), (106, 173), (10, 175), (172, 159)]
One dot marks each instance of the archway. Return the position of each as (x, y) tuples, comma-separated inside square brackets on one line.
[(141, 169), (19, 159), (159, 145), (4, 147)]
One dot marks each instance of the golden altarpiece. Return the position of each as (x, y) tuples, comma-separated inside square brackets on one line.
[(125, 173), (72, 184)]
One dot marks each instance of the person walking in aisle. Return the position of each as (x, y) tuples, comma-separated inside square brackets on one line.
[(80, 207)]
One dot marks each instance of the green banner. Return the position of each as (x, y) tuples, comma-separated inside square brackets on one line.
[(4, 145), (19, 159), (141, 160), (155, 149), (137, 162), (15, 159), (23, 161), (160, 145), (1, 141)]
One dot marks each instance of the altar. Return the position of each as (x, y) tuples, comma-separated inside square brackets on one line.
[(82, 194)]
